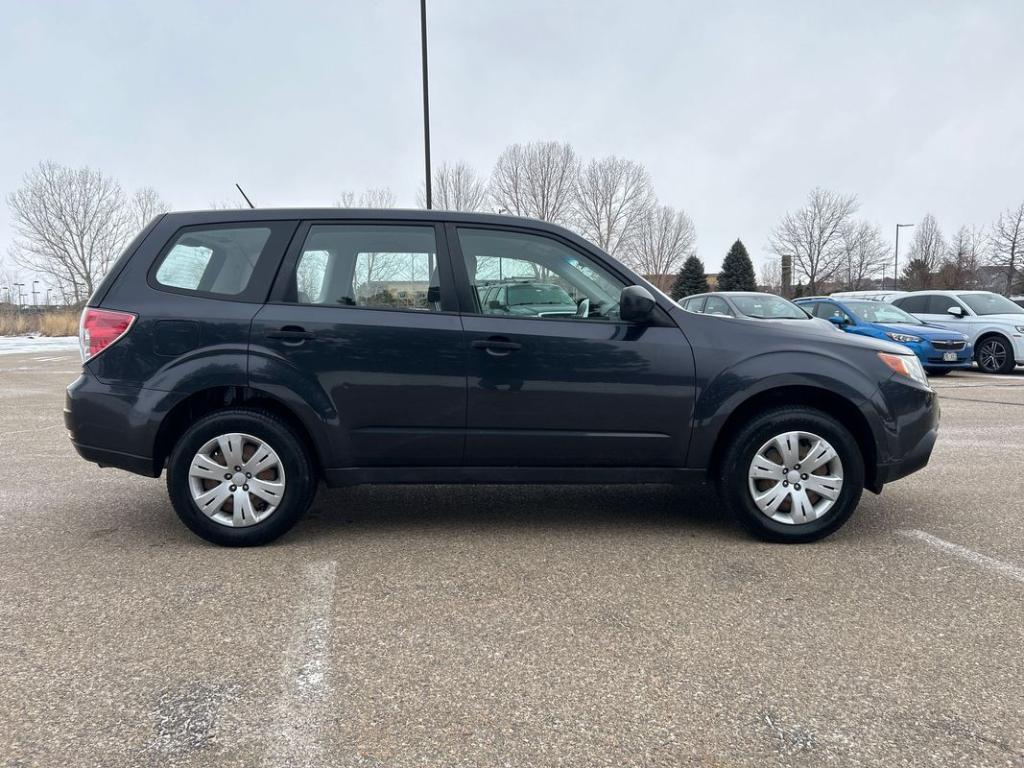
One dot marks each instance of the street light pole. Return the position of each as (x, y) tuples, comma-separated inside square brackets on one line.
[(35, 298), (426, 103), (896, 272)]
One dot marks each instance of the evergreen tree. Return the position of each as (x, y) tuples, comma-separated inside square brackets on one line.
[(690, 280), (737, 270)]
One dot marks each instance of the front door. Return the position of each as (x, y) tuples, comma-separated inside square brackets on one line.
[(362, 327), (555, 377)]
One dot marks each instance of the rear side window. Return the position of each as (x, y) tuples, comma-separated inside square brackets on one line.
[(219, 260), (379, 266)]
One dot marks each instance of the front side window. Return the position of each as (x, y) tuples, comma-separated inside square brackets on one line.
[(218, 260), (375, 266), (880, 312), (717, 306), (917, 305), (939, 305), (830, 311), (532, 276)]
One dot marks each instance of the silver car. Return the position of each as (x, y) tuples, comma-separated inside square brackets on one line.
[(993, 323)]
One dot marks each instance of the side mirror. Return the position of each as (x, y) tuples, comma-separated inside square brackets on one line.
[(955, 311), (494, 304), (635, 304), (837, 320)]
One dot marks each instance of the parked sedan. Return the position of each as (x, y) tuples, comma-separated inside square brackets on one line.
[(939, 350)]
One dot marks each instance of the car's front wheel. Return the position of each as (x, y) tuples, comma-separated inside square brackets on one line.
[(994, 355), (793, 474), (240, 478)]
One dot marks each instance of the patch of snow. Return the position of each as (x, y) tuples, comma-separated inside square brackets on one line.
[(17, 345)]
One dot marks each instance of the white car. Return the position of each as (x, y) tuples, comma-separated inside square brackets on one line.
[(993, 323)]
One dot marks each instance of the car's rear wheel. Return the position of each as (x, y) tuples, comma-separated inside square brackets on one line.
[(240, 478), (792, 475), (994, 355)]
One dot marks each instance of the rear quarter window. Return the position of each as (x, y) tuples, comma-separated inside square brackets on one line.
[(230, 260)]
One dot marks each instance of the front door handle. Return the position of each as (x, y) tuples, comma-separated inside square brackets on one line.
[(290, 333), (496, 345)]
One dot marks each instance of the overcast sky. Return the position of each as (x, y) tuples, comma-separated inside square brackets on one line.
[(737, 109)]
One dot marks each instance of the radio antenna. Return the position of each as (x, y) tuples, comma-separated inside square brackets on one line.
[(244, 195)]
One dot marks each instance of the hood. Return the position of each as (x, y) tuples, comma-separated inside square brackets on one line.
[(795, 330), (923, 331)]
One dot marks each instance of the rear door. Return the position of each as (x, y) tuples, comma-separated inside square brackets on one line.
[(583, 391), (362, 326)]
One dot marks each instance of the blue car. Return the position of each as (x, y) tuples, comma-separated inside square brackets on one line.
[(939, 350)]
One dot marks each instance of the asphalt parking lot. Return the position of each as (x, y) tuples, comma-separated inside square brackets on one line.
[(503, 626)]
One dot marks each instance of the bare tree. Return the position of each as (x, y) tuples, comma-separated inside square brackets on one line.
[(771, 276), (69, 225), (812, 235), (456, 187), (928, 246), (664, 238), (536, 179), (865, 252), (613, 196), (374, 197), (959, 268), (146, 204), (1008, 244)]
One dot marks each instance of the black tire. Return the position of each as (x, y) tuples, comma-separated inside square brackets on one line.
[(994, 354), (733, 475), (937, 371), (300, 487)]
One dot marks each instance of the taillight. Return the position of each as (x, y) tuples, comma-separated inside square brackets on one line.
[(100, 328)]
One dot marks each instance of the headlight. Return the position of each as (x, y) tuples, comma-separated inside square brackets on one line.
[(904, 338), (905, 365)]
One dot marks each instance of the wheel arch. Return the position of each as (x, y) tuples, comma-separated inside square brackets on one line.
[(212, 399), (835, 405)]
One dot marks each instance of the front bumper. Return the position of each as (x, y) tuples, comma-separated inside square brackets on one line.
[(934, 357), (911, 428)]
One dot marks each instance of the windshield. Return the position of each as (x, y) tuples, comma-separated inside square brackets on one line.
[(768, 307), (880, 312), (990, 304), (538, 293)]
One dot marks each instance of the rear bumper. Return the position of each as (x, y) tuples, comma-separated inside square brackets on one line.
[(112, 426)]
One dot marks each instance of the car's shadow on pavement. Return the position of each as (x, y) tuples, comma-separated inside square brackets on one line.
[(695, 509)]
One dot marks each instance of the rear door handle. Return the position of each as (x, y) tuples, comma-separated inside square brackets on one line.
[(293, 333), (496, 345)]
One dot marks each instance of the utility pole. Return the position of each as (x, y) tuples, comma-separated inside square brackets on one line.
[(896, 272), (35, 297), (426, 103)]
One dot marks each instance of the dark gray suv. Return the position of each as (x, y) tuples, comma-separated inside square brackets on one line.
[(253, 354)]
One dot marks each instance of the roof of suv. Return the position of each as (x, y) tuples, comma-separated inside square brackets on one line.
[(397, 214), (939, 292)]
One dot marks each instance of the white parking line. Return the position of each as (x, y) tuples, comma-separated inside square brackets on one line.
[(990, 563), (295, 740)]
